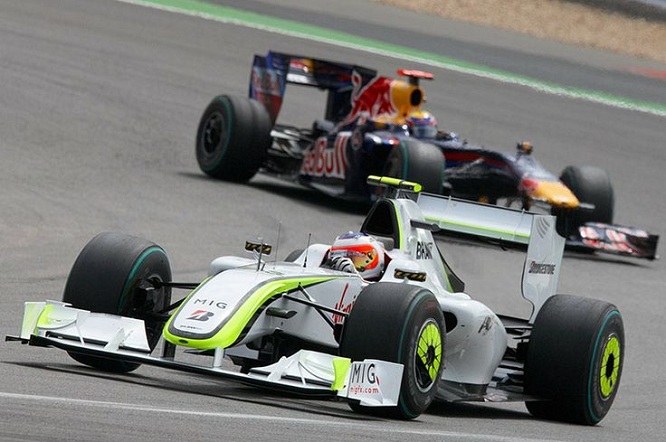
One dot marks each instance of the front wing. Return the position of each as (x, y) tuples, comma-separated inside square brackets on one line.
[(306, 373), (618, 240)]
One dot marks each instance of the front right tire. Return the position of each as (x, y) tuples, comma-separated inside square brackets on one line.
[(404, 324)]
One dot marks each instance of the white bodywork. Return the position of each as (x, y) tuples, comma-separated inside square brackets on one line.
[(245, 299), (476, 346)]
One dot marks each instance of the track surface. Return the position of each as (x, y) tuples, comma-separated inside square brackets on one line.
[(99, 102)]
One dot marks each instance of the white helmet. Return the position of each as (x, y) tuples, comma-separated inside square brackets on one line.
[(365, 252)]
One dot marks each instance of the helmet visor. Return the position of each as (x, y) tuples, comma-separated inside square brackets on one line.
[(364, 256)]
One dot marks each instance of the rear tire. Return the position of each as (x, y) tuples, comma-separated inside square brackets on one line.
[(414, 160), (112, 275), (590, 185), (404, 324), (574, 359), (233, 138)]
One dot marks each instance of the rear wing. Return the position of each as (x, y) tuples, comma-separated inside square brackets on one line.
[(272, 72), (545, 247)]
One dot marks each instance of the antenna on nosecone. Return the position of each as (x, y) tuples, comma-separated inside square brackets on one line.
[(277, 244), (305, 259)]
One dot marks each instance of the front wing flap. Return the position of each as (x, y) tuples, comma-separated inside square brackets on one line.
[(305, 373)]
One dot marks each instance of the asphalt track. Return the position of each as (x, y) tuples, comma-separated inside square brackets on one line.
[(99, 102)]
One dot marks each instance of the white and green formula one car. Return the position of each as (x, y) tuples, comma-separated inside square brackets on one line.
[(314, 325)]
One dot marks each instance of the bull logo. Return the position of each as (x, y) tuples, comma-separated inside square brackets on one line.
[(373, 99)]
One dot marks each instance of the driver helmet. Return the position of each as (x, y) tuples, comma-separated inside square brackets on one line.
[(422, 124), (364, 251)]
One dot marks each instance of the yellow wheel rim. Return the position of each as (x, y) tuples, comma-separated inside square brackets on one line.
[(610, 366), (428, 355)]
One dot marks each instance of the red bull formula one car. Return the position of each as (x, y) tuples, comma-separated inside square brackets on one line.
[(375, 125), (378, 318)]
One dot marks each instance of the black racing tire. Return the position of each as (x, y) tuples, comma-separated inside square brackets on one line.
[(233, 138), (416, 161), (404, 324), (590, 185), (574, 359), (111, 275)]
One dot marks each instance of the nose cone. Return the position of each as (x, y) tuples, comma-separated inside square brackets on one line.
[(553, 192)]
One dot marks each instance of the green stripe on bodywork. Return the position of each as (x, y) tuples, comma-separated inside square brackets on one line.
[(291, 28), (462, 227), (241, 318)]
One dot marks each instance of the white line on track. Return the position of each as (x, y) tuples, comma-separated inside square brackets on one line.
[(380, 427)]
